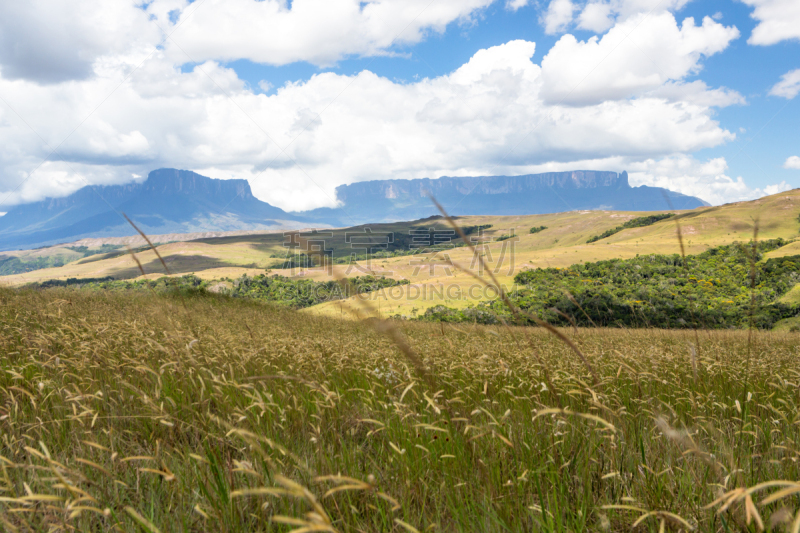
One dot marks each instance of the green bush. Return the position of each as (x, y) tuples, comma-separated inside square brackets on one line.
[(638, 222), (712, 291), (279, 289)]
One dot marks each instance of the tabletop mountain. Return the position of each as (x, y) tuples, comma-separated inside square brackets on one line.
[(182, 201), (551, 192), (169, 201)]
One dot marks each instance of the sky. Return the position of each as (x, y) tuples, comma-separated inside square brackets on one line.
[(301, 96)]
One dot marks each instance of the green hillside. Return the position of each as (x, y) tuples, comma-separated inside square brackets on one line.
[(560, 241)]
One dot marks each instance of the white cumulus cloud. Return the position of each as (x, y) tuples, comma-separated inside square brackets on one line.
[(792, 162), (558, 16), (318, 31), (514, 5), (298, 144), (51, 42), (778, 20), (789, 85), (638, 55), (600, 15), (705, 179), (597, 17), (123, 108)]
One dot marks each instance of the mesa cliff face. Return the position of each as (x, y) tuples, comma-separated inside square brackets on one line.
[(181, 201), (91, 200), (551, 192), (483, 185), (172, 181), (169, 201)]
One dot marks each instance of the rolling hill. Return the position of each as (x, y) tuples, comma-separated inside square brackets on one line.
[(561, 244)]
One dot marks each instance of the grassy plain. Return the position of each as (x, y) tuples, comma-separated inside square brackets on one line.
[(145, 412), (562, 244)]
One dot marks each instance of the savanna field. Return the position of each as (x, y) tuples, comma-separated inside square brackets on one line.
[(144, 411), (399, 266)]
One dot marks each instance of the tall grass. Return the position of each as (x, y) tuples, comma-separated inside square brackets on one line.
[(144, 412)]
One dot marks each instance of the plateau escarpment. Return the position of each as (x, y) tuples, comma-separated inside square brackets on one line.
[(551, 192)]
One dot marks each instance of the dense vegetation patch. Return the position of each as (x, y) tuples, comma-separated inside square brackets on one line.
[(537, 229), (294, 293), (16, 265), (469, 230), (476, 314), (86, 251), (713, 290), (637, 222), (402, 244), (305, 293)]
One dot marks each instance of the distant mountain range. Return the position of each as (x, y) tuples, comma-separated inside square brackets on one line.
[(552, 192), (169, 201), (181, 201)]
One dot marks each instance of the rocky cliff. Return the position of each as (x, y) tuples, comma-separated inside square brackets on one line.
[(169, 201), (181, 201), (483, 185), (551, 192)]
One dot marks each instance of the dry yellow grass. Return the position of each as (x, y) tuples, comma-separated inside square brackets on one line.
[(170, 413)]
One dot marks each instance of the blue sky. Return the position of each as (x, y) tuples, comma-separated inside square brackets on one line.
[(766, 126), (300, 97), (771, 123)]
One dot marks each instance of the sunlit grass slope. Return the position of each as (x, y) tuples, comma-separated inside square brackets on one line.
[(259, 251), (139, 412), (562, 244)]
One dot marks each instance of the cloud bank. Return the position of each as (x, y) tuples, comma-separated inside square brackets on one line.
[(778, 20), (792, 162), (789, 86), (120, 108)]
